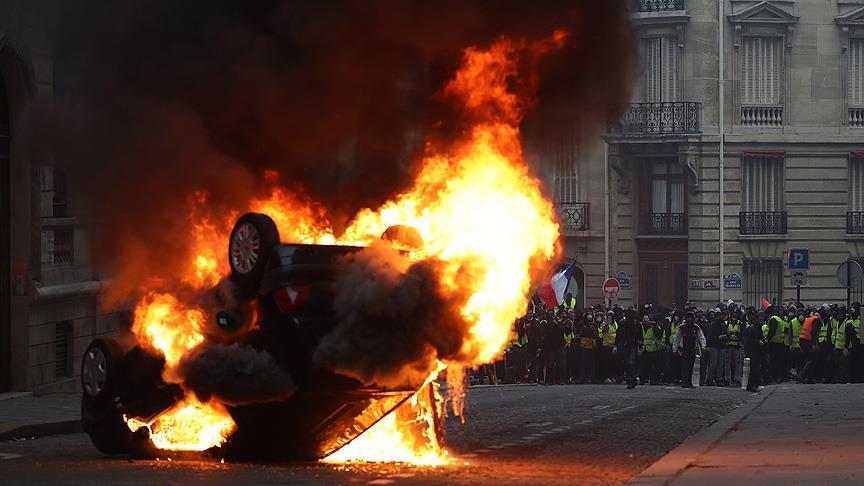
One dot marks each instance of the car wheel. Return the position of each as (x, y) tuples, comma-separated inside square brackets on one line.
[(252, 241), (99, 370), (106, 428)]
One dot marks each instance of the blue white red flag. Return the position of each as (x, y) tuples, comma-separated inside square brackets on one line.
[(553, 293)]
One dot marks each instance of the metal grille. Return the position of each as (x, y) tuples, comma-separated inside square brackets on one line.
[(762, 223), (763, 278), (664, 224), (855, 223), (574, 216), (64, 249), (654, 5), (63, 349), (659, 118)]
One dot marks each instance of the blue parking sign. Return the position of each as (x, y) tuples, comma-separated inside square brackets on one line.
[(799, 259)]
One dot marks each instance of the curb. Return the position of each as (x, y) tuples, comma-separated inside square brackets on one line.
[(14, 395), (42, 430), (686, 455)]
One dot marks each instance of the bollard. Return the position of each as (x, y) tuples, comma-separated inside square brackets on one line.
[(695, 376), (745, 375)]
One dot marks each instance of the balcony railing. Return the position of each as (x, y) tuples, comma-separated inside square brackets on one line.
[(673, 117), (762, 223), (657, 5), (762, 116), (855, 223), (574, 216), (664, 224), (856, 117)]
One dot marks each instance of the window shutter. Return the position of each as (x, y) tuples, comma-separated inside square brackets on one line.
[(856, 184), (856, 72), (761, 65), (763, 183), (565, 167), (652, 69), (669, 63)]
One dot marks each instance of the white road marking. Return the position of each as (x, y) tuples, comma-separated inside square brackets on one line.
[(600, 407), (5, 456), (497, 446), (482, 451), (401, 475), (381, 481), (469, 455)]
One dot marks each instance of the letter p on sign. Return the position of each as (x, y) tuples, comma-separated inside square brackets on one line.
[(799, 259)]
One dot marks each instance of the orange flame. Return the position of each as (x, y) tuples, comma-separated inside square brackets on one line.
[(476, 204)]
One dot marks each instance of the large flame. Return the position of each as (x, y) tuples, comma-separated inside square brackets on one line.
[(475, 202)]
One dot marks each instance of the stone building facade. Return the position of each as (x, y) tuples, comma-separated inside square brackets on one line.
[(793, 164), (48, 306)]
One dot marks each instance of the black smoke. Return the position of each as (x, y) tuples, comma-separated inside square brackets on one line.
[(234, 374), (157, 99), (393, 319)]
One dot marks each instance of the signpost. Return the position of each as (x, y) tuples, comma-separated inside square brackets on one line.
[(799, 264), (623, 280), (733, 281), (611, 287), (849, 275)]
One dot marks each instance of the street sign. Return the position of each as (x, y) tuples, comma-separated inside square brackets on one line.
[(733, 281), (709, 284), (611, 287), (799, 277), (799, 259), (623, 280), (849, 274)]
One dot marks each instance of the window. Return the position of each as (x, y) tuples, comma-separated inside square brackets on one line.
[(661, 69), (763, 278), (666, 199), (763, 182), (761, 81), (762, 206), (63, 349), (855, 83), (855, 211), (572, 211)]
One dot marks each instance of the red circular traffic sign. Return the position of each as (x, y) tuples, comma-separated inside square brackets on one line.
[(611, 287)]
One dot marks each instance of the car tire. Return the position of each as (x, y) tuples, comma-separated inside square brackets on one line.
[(100, 371), (249, 249), (106, 428)]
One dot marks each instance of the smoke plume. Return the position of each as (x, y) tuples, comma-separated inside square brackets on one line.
[(234, 374), (158, 99), (394, 320)]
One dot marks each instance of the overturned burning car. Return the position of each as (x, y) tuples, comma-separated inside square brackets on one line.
[(272, 311)]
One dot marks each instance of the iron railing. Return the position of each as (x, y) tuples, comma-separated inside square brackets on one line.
[(657, 5), (664, 224), (762, 116), (855, 223), (672, 117), (856, 117), (762, 223), (574, 216)]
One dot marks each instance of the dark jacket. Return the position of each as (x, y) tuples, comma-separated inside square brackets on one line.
[(629, 334)]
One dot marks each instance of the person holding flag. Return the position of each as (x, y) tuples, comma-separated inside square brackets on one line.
[(555, 293)]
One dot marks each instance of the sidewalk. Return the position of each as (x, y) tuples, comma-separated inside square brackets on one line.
[(23, 415), (786, 434)]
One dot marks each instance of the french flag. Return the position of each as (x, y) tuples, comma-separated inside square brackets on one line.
[(553, 293)]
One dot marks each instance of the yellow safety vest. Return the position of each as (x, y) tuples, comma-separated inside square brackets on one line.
[(779, 336), (571, 304), (651, 341), (733, 334), (795, 336), (609, 337)]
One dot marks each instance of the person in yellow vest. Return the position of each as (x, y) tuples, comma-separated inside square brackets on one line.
[(652, 346), (608, 333), (732, 369), (777, 349), (792, 341), (853, 343), (569, 302), (673, 361), (841, 351)]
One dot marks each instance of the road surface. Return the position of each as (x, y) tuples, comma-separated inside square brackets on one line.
[(522, 434)]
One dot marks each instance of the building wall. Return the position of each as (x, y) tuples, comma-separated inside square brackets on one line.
[(814, 138), (48, 296)]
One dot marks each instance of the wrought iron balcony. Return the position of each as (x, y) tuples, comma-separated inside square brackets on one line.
[(672, 117), (657, 5), (574, 216), (664, 224), (855, 223), (762, 223)]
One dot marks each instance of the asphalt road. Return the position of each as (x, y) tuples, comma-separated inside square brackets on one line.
[(520, 434)]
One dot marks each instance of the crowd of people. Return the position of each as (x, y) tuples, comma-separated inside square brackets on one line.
[(656, 345)]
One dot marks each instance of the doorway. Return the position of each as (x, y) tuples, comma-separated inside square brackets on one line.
[(663, 278)]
